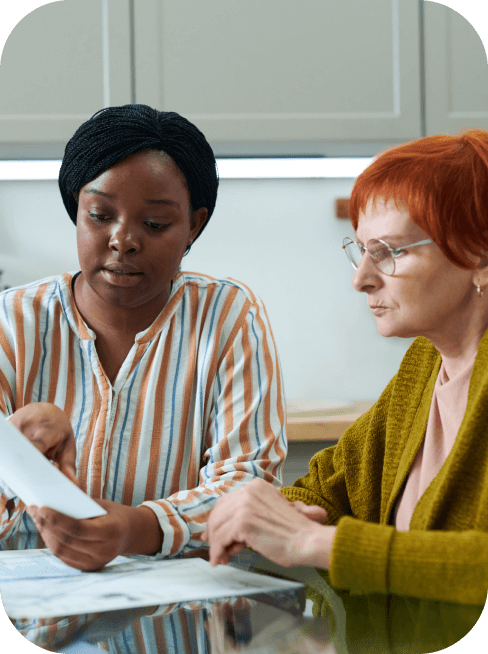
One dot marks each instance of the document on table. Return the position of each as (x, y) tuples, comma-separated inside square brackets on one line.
[(35, 584), (36, 480)]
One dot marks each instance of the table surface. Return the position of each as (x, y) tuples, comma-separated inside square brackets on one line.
[(270, 623), (325, 425)]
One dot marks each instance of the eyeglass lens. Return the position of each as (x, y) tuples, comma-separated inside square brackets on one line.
[(381, 256)]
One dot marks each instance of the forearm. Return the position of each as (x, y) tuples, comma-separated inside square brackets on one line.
[(145, 534)]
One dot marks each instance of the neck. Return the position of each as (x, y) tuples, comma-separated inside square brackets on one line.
[(458, 345), (104, 318)]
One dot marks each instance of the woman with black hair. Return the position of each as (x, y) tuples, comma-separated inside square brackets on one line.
[(155, 390)]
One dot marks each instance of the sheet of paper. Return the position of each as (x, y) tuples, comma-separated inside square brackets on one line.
[(36, 480), (127, 583)]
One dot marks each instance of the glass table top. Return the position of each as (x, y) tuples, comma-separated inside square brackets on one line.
[(270, 623)]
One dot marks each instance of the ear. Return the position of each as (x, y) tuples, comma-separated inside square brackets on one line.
[(480, 277), (198, 219), (76, 196)]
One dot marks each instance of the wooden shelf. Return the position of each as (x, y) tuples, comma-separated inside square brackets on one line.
[(323, 427)]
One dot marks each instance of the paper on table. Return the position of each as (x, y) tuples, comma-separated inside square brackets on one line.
[(37, 481), (126, 584)]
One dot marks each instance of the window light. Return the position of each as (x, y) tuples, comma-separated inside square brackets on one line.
[(246, 168)]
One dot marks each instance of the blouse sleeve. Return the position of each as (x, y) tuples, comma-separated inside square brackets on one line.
[(11, 507), (244, 434)]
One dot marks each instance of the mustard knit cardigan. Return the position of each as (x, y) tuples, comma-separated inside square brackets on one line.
[(444, 555)]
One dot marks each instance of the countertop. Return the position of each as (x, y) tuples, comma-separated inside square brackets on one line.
[(323, 425)]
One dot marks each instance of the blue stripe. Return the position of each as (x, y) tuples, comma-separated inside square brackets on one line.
[(121, 438), (44, 344), (173, 633), (259, 384), (83, 386), (173, 397), (128, 648), (190, 508)]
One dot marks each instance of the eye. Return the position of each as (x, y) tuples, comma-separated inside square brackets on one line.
[(396, 252), (157, 227), (98, 217)]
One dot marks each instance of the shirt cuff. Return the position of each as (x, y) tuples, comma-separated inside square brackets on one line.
[(360, 556), (176, 533)]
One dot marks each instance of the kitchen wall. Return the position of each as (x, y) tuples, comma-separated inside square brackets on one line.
[(279, 237)]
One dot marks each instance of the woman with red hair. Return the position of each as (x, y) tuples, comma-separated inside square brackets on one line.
[(400, 504)]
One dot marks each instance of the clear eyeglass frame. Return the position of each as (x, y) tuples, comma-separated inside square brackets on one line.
[(382, 254)]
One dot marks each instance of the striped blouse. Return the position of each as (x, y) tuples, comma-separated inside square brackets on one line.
[(197, 408)]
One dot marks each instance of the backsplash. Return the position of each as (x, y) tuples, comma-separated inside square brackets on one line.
[(281, 238)]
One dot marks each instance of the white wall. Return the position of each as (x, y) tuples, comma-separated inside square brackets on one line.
[(281, 238)]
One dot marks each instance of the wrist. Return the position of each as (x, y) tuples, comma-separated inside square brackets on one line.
[(145, 535), (318, 546)]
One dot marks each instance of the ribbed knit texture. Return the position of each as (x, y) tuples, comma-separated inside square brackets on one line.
[(444, 555)]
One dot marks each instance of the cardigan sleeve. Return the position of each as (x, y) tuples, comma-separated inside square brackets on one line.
[(450, 566)]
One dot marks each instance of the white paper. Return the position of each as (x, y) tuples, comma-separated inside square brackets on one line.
[(126, 583), (36, 480)]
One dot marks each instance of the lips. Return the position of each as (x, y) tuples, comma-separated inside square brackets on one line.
[(122, 269)]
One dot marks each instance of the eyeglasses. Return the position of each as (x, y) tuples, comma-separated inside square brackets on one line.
[(381, 253)]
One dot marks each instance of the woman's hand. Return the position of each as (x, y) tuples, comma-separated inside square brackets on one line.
[(90, 544), (47, 427), (259, 516)]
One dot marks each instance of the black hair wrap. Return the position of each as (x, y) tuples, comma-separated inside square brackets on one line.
[(114, 133)]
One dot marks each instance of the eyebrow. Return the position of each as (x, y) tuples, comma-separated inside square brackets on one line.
[(95, 191)]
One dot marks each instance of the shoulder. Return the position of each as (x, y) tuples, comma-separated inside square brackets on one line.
[(225, 286), (29, 299)]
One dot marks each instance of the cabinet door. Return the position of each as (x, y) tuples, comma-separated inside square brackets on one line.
[(456, 72), (308, 71), (62, 63)]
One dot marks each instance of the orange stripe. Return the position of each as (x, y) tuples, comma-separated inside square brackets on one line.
[(138, 637), (158, 418), (110, 449), (7, 348), (4, 385), (19, 324), (195, 454), (141, 348), (212, 369), (135, 437), (159, 634), (268, 362), (235, 329), (55, 351), (163, 316), (100, 421), (89, 437), (177, 531), (80, 324), (71, 378), (248, 394), (224, 449), (34, 369), (279, 400), (190, 377), (250, 293)]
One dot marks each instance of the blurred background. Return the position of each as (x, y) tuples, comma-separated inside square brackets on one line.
[(315, 78)]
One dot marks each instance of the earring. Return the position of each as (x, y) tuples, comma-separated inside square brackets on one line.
[(480, 291)]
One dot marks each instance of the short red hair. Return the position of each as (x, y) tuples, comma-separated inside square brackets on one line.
[(443, 182)]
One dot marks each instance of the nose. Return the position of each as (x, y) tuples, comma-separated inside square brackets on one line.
[(124, 237), (366, 277)]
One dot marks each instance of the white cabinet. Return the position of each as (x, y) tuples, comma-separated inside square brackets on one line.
[(287, 77), (61, 63), (269, 72), (456, 72)]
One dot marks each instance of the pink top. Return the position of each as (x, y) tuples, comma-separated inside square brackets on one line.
[(447, 410)]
